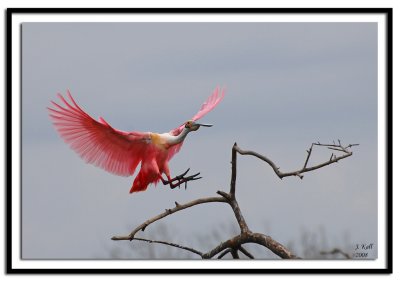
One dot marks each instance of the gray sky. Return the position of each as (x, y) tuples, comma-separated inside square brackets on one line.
[(287, 85)]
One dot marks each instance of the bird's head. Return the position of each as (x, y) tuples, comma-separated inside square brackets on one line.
[(193, 126)]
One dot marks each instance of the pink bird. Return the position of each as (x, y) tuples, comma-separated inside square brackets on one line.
[(120, 152)]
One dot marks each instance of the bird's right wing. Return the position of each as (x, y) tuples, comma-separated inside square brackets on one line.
[(212, 101), (97, 142)]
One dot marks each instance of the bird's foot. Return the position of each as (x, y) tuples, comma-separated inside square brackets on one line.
[(180, 179)]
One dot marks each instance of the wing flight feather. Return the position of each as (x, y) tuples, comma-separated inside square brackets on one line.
[(115, 151)]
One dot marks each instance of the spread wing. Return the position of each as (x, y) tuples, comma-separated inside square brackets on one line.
[(115, 151), (206, 107), (212, 101)]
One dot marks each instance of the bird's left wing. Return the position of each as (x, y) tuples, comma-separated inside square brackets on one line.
[(116, 151)]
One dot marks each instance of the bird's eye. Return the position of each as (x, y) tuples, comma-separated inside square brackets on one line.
[(188, 123)]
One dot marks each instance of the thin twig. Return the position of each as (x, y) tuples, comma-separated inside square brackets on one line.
[(350, 145), (337, 149), (170, 244), (308, 156)]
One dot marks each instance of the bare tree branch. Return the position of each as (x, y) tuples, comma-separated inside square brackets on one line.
[(305, 169), (272, 245), (250, 237), (231, 200), (168, 212), (234, 244), (233, 175)]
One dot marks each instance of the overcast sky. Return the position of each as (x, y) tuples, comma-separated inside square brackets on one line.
[(287, 85)]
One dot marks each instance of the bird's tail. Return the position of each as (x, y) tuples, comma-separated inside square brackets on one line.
[(138, 186), (143, 179)]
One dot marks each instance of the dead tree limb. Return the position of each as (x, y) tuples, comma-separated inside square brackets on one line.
[(304, 169), (234, 245), (178, 207)]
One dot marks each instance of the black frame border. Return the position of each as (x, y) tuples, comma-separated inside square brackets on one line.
[(389, 137)]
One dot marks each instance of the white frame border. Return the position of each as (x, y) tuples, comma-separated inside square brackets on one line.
[(18, 18)]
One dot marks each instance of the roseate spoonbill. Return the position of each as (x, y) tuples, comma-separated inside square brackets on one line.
[(120, 152)]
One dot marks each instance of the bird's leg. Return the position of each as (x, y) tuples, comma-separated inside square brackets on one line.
[(178, 180)]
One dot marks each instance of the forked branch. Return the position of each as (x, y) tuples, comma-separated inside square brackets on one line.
[(299, 173)]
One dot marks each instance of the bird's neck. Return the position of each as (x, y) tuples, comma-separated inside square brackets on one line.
[(179, 138)]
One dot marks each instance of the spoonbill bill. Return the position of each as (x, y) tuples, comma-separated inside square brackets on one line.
[(120, 152)]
